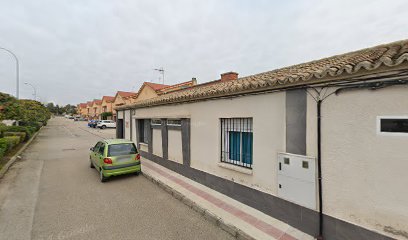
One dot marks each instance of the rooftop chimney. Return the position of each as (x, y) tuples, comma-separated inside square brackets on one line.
[(194, 80), (228, 76)]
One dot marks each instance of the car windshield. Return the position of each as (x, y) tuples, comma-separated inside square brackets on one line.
[(121, 149)]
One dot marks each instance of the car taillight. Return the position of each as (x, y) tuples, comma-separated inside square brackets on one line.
[(137, 158), (107, 160)]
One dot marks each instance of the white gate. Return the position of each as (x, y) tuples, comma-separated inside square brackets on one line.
[(297, 179)]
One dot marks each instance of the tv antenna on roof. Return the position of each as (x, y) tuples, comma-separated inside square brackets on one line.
[(161, 71)]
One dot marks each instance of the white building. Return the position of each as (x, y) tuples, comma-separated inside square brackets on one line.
[(256, 139)]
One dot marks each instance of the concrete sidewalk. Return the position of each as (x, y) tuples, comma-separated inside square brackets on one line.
[(234, 217)]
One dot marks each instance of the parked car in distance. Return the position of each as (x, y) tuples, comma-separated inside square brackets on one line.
[(93, 123), (90, 122), (106, 124), (113, 157)]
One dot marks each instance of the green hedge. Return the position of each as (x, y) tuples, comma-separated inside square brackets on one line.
[(13, 140), (29, 130), (35, 125), (21, 135), (5, 144), (2, 152)]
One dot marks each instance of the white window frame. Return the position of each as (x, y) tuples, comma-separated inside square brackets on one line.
[(379, 132), (171, 124)]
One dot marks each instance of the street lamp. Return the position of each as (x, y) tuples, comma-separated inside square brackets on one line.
[(35, 90), (17, 70)]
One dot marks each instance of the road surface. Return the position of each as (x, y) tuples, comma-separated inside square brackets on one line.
[(51, 193)]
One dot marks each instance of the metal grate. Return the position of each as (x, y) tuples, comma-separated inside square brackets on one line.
[(237, 141)]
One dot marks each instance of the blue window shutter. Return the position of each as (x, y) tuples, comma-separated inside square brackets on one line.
[(247, 147), (234, 145)]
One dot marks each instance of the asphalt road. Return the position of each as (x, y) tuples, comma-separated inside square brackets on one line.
[(51, 193)]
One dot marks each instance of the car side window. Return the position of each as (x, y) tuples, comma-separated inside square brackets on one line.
[(102, 149), (96, 148)]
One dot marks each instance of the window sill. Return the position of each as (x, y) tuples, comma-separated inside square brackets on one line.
[(236, 168), (144, 144)]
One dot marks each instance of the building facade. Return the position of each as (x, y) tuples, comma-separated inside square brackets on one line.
[(320, 145), (107, 106)]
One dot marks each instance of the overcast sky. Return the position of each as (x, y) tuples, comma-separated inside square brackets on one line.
[(78, 50)]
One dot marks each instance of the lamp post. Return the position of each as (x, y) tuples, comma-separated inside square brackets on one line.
[(17, 70), (35, 90)]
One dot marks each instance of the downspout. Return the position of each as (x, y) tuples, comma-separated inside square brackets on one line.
[(319, 167)]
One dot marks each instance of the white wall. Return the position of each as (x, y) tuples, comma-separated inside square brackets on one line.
[(175, 146), (157, 142), (120, 114), (268, 112), (365, 176), (126, 123), (134, 132)]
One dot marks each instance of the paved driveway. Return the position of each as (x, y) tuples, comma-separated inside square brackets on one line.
[(51, 193)]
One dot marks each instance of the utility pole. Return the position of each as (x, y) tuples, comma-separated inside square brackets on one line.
[(160, 70), (17, 70)]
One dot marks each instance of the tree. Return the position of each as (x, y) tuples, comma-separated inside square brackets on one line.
[(22, 110)]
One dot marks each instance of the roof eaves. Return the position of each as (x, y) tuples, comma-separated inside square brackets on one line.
[(318, 71)]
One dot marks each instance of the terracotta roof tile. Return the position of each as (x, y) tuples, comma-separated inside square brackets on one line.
[(98, 102), (108, 98), (388, 55), (175, 87), (155, 86), (126, 94)]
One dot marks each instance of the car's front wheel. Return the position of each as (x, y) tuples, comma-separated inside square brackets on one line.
[(102, 177), (103, 127)]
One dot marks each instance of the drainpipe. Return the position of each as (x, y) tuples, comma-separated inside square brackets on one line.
[(319, 168)]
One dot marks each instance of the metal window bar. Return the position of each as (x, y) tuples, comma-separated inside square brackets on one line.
[(242, 152)]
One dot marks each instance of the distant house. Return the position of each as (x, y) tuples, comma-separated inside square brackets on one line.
[(151, 90), (321, 145), (97, 108), (89, 109), (82, 109), (107, 105), (122, 98)]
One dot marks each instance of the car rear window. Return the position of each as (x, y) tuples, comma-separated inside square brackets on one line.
[(121, 149)]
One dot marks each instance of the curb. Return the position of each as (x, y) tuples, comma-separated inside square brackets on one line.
[(211, 217), (15, 157)]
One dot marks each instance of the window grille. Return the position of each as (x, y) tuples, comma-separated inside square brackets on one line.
[(237, 141), (156, 122), (174, 122)]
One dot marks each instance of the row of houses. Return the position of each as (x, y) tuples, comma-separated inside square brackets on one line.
[(104, 109), (321, 145)]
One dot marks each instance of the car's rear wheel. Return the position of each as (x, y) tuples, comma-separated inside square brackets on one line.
[(137, 173), (91, 164), (102, 177)]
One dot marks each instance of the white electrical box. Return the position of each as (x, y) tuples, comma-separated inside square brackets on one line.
[(297, 179)]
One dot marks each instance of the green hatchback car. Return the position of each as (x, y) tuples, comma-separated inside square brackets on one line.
[(113, 157)]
